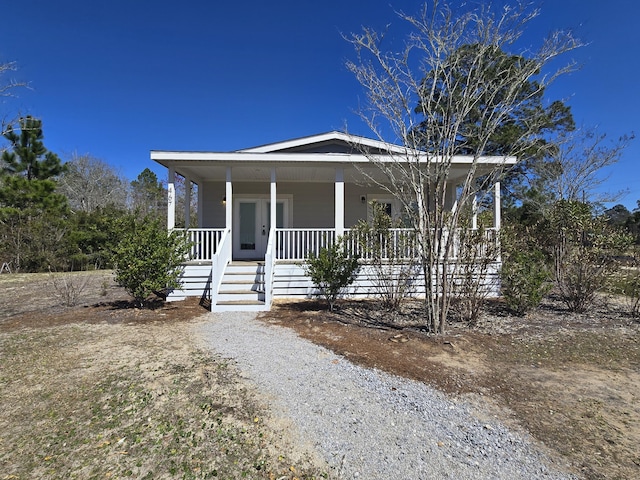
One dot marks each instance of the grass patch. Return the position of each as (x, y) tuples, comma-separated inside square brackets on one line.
[(122, 401)]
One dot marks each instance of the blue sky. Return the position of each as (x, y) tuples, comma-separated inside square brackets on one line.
[(117, 79)]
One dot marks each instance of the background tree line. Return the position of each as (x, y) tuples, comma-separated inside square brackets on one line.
[(71, 215)]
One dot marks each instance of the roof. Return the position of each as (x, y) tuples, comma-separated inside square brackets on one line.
[(322, 151)]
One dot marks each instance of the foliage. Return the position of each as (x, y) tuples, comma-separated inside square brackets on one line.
[(391, 258), (148, 259), (525, 275), (469, 87), (32, 240), (28, 155), (627, 284), (148, 195), (332, 270), (32, 215), (90, 184), (585, 251), (472, 282), (93, 237)]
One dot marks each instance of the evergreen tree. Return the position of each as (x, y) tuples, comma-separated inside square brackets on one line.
[(28, 156), (32, 215), (148, 194)]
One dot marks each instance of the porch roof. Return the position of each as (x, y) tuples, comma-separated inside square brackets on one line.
[(307, 159)]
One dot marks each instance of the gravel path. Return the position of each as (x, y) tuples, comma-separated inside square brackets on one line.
[(367, 424)]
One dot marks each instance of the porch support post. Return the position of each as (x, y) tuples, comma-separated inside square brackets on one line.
[(339, 201), (200, 203), (450, 192), (187, 201), (272, 212), (171, 200), (497, 207), (474, 212), (228, 199)]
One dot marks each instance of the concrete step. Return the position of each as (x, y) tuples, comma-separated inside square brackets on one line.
[(240, 296)]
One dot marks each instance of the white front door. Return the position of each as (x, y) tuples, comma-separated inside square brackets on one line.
[(251, 225)]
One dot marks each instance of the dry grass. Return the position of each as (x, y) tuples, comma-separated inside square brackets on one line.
[(106, 392)]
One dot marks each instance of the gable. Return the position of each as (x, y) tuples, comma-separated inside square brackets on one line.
[(330, 142)]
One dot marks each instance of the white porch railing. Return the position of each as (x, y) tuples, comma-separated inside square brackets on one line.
[(269, 261), (205, 242), (219, 262), (297, 243)]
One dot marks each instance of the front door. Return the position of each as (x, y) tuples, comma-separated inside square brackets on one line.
[(251, 225)]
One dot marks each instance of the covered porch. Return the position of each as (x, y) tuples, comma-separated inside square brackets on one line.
[(271, 206)]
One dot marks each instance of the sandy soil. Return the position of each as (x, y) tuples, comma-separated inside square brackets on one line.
[(572, 381)]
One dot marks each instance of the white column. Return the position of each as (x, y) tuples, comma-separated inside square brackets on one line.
[(273, 212), (497, 207), (474, 212), (200, 203), (451, 196), (187, 201), (229, 200), (171, 200), (339, 201)]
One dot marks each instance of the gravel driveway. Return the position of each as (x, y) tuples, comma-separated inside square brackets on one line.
[(367, 424)]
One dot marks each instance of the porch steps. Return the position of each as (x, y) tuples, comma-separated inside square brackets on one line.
[(195, 281), (242, 288)]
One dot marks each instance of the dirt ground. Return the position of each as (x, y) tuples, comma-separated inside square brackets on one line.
[(105, 390), (572, 381), (96, 389)]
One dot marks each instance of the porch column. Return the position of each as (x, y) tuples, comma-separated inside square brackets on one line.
[(273, 210), (339, 200), (200, 203), (228, 200), (474, 212), (497, 207), (451, 195), (171, 200), (187, 201)]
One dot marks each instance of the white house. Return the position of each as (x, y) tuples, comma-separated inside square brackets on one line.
[(262, 209)]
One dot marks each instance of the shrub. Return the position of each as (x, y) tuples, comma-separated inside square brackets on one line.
[(148, 259), (392, 264), (331, 271), (477, 252), (525, 280), (586, 249)]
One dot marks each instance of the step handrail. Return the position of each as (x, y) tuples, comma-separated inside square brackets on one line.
[(269, 262), (220, 260)]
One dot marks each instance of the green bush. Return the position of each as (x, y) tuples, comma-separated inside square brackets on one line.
[(148, 259), (525, 280), (332, 271), (586, 251)]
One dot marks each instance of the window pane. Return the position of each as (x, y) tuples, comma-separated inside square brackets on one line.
[(247, 226)]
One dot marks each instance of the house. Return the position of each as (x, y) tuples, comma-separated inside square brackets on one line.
[(262, 209)]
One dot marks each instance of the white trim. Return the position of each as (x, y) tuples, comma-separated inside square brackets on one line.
[(353, 140), (171, 200), (165, 157), (228, 196), (339, 202), (497, 207)]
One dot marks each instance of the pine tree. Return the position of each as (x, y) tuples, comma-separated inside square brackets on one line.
[(28, 155)]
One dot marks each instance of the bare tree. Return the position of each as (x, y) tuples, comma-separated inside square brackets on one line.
[(573, 171), (450, 90), (89, 183)]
